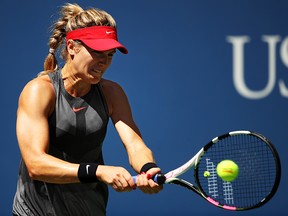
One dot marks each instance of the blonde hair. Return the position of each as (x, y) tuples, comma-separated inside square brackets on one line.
[(72, 17)]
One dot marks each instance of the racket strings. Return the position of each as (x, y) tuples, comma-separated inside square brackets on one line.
[(257, 171)]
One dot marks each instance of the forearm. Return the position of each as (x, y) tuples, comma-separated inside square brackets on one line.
[(138, 153), (50, 169), (139, 157)]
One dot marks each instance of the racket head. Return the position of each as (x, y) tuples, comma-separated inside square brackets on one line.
[(259, 171)]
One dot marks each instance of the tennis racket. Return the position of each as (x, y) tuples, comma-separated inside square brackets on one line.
[(258, 177)]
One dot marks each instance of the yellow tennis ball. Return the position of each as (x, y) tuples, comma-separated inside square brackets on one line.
[(227, 170), (206, 174)]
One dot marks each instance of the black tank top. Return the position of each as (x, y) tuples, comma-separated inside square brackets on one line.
[(77, 130)]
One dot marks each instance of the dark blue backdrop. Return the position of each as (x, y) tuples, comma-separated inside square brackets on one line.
[(195, 69)]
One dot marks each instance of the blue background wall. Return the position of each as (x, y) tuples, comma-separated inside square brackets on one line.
[(179, 79)]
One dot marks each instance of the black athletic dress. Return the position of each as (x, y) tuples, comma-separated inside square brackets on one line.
[(77, 130)]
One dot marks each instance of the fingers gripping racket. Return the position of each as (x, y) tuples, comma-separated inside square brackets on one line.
[(258, 176)]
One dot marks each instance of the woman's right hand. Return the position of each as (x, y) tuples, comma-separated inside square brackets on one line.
[(117, 177)]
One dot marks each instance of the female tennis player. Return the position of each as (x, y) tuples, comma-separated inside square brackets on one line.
[(62, 120)]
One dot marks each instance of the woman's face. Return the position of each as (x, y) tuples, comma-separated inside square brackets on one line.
[(90, 65)]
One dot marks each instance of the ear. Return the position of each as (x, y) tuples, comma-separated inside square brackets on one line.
[(72, 47)]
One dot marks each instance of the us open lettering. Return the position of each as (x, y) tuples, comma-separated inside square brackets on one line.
[(238, 43)]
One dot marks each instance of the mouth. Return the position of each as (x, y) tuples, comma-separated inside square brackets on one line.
[(96, 71)]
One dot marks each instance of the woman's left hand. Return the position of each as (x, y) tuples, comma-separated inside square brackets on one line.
[(146, 184)]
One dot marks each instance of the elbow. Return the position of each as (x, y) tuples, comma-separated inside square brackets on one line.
[(34, 169), (34, 173)]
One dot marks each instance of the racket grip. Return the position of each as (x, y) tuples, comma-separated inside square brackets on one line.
[(158, 178)]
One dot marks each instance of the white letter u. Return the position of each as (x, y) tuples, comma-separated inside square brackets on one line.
[(238, 65)]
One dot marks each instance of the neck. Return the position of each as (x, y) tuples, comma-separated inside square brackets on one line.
[(73, 84)]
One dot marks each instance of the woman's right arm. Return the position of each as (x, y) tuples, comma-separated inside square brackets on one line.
[(36, 103)]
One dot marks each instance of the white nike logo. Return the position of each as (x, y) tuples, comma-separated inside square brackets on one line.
[(109, 32), (87, 169)]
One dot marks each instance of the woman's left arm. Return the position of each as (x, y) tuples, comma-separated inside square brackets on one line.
[(138, 152)]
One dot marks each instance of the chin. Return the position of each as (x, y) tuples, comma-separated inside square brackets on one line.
[(95, 80)]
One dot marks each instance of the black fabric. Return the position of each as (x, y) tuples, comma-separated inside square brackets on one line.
[(147, 166), (77, 130), (87, 172)]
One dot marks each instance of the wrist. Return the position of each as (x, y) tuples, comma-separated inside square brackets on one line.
[(87, 172), (148, 166)]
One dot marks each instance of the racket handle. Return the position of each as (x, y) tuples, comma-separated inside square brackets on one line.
[(158, 178)]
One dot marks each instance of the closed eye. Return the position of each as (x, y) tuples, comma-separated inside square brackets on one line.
[(100, 54)]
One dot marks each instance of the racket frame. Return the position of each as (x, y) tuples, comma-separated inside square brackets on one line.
[(171, 177)]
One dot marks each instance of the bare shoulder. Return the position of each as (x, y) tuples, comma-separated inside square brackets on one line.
[(111, 89), (40, 85), (110, 85), (114, 95), (38, 91)]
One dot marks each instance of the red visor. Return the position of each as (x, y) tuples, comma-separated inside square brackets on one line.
[(100, 38)]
